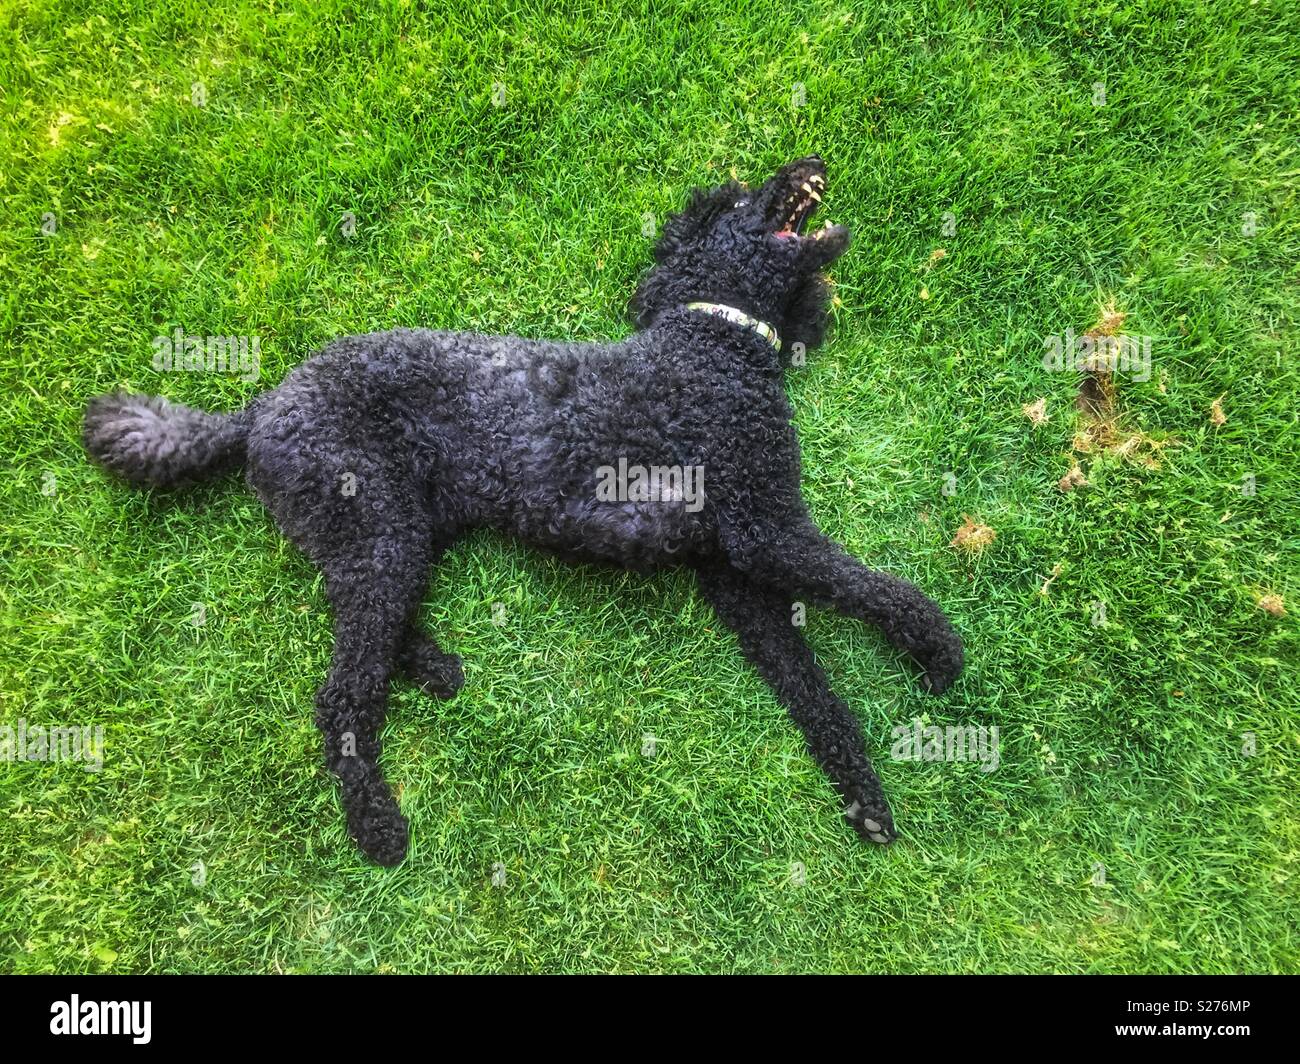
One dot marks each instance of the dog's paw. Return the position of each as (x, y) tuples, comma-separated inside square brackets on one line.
[(922, 631), (434, 672), (941, 662), (870, 818), (374, 820), (381, 833), (937, 681), (442, 679)]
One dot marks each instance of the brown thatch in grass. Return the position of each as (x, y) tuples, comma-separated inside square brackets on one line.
[(1102, 430), (1073, 479), (1217, 416), (1036, 412), (973, 537), (1044, 591), (1271, 604)]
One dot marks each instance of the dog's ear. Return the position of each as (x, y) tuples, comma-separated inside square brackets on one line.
[(662, 285), (704, 208)]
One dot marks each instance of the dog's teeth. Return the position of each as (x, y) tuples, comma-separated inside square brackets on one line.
[(815, 196), (806, 187)]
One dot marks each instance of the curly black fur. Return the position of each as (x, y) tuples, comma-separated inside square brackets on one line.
[(381, 450)]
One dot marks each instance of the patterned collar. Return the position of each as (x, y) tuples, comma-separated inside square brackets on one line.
[(739, 317)]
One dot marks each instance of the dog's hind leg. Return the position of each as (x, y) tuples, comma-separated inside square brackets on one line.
[(419, 657), (763, 621), (374, 585), (360, 510)]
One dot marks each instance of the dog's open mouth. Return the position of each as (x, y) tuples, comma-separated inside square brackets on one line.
[(801, 204)]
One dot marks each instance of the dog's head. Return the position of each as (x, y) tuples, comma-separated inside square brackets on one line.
[(751, 249)]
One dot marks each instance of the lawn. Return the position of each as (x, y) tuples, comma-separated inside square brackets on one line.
[(614, 789)]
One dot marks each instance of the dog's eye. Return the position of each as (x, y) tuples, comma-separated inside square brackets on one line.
[(740, 203)]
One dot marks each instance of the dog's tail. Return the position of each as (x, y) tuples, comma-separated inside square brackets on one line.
[(149, 441)]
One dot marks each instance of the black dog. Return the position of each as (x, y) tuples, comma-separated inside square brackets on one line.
[(381, 450)]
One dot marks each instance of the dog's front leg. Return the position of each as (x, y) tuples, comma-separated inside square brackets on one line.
[(763, 622), (794, 556)]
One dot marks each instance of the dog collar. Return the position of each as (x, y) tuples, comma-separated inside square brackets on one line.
[(721, 310)]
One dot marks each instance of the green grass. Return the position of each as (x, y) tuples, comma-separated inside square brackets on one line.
[(1121, 744)]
